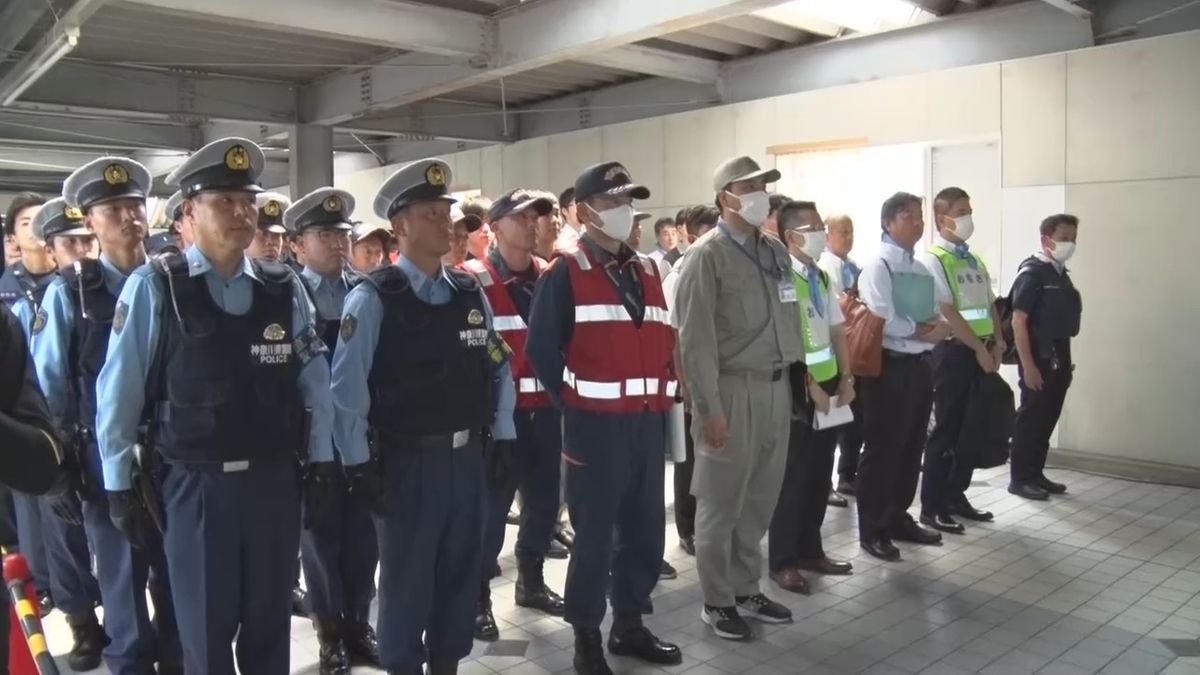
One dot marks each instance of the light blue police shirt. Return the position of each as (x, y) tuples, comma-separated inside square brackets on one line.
[(352, 362), (131, 350), (329, 295)]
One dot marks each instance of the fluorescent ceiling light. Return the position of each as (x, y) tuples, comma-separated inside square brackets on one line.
[(826, 17)]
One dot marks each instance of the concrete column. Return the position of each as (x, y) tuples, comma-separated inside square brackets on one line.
[(310, 160)]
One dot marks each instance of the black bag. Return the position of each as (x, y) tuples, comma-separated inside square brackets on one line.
[(988, 423), (1003, 307)]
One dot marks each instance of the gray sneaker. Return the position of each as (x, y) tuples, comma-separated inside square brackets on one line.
[(764, 609), (726, 622)]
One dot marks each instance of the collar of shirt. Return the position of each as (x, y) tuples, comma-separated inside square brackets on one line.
[(893, 251), (199, 264), (317, 280), (802, 268), (738, 238), (416, 276), (602, 256), (113, 276)]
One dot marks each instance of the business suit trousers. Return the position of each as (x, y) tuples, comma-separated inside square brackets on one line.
[(615, 482), (948, 467), (795, 532), (737, 486), (850, 439), (1036, 418), (896, 407)]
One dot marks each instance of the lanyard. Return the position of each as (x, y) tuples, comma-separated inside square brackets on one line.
[(772, 272)]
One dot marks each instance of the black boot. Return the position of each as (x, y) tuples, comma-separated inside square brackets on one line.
[(362, 645), (334, 660), (299, 602), (531, 590), (589, 653), (88, 640), (485, 623), (442, 668)]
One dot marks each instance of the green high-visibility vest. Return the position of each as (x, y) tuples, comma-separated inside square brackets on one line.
[(970, 288), (818, 350)]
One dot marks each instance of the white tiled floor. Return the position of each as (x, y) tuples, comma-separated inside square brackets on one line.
[(1088, 582)]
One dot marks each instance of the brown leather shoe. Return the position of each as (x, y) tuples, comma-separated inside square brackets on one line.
[(790, 579), (825, 565)]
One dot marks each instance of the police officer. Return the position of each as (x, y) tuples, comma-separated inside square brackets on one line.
[(222, 353), (177, 224), (795, 533), (1046, 310), (268, 237), (964, 296), (508, 275), (81, 309), (601, 347), (416, 371), (61, 228), (738, 334), (338, 546), (69, 561)]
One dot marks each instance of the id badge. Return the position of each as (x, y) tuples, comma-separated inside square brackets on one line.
[(787, 291)]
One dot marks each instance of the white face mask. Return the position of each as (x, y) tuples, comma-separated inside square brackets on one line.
[(756, 206), (617, 222), (814, 244), (1063, 250), (964, 227)]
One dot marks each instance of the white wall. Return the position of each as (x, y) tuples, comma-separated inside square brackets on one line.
[(1109, 133)]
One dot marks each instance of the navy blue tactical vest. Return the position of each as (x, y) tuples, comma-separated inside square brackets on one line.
[(227, 385), (431, 372), (1059, 309), (329, 327), (18, 284), (94, 307)]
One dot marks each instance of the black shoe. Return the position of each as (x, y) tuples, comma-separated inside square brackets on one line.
[(942, 522), (846, 487), (512, 518), (531, 589), (299, 602), (881, 548), (766, 610), (837, 500), (1028, 491), (485, 624), (963, 509), (88, 642), (45, 603), (688, 544), (726, 622), (640, 643), (564, 537), (589, 653), (333, 659), (911, 532), (557, 551), (1049, 485), (362, 645), (668, 571)]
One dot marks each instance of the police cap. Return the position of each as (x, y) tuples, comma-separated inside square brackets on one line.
[(608, 178), (324, 207), (420, 181), (271, 206), (228, 164), (174, 210), (56, 218), (104, 180)]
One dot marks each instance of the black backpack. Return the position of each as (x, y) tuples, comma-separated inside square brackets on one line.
[(1003, 307)]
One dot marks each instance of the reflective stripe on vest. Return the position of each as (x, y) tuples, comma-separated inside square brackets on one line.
[(510, 322), (529, 385), (612, 391), (818, 355), (595, 313), (970, 289)]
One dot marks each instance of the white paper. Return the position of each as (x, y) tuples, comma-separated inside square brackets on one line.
[(676, 434), (837, 416)]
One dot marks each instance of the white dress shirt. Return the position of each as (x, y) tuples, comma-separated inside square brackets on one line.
[(875, 289)]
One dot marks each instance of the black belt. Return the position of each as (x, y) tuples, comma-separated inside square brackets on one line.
[(772, 375), (449, 439), (903, 355)]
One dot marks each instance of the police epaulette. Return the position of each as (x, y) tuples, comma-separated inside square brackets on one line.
[(388, 279), (85, 273), (462, 279), (170, 263)]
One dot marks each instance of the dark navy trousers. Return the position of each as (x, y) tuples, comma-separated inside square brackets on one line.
[(534, 469), (339, 555), (429, 552), (28, 513), (615, 474), (231, 543), (69, 561)]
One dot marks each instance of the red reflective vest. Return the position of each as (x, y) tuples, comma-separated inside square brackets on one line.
[(613, 366), (509, 324)]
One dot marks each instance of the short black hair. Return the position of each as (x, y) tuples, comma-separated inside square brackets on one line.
[(701, 216), (681, 216), (1051, 224), (567, 197), (662, 224), (948, 197), (893, 205), (777, 201), (786, 220), (22, 201)]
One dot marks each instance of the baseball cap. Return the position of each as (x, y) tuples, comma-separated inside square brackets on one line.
[(740, 169), (610, 178)]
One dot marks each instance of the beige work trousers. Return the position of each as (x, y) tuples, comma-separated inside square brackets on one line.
[(737, 486)]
